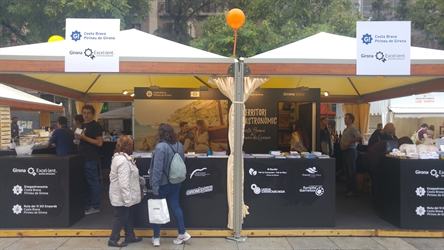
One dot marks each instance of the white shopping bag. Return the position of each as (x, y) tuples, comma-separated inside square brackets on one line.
[(158, 211)]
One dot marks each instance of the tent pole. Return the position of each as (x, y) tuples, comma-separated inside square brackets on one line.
[(238, 154)]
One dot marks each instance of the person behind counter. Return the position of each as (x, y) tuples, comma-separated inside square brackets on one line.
[(185, 136), (15, 130), (326, 140), (387, 133), (90, 142), (201, 137), (124, 192), (348, 144), (162, 188), (106, 136), (371, 162), (299, 137), (63, 138)]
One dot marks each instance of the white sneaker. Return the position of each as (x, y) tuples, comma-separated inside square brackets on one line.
[(155, 241), (181, 238)]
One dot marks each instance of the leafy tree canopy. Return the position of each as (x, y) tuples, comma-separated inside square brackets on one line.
[(35, 21), (271, 24)]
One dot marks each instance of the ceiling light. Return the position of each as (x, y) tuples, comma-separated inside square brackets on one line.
[(326, 93), (125, 92), (132, 94)]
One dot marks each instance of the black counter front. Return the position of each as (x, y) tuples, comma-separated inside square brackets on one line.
[(412, 193), (289, 193), (203, 195), (280, 193), (41, 191)]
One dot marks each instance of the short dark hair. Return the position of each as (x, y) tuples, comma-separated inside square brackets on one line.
[(124, 145), (62, 120), (424, 125), (404, 140), (79, 118), (166, 133), (351, 116), (14, 117), (181, 124), (90, 107)]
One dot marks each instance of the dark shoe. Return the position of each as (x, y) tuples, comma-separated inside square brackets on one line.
[(92, 211), (132, 240), (351, 194), (344, 191), (116, 244)]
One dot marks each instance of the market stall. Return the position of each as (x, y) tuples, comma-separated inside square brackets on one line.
[(160, 70)]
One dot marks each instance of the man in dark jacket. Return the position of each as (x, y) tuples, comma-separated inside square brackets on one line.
[(387, 133), (371, 160), (63, 138)]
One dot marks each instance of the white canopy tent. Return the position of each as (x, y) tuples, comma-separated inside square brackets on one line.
[(20, 100), (121, 113), (328, 62)]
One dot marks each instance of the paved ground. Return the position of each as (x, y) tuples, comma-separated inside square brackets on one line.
[(222, 243)]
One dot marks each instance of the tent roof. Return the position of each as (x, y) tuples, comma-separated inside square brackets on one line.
[(145, 60), (323, 61), (333, 49), (121, 113), (134, 46), (17, 99), (328, 62)]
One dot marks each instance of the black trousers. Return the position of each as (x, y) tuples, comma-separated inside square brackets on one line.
[(123, 218)]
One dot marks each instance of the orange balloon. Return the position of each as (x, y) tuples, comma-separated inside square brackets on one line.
[(235, 18)]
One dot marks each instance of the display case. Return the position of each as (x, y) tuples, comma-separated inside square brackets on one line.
[(5, 121)]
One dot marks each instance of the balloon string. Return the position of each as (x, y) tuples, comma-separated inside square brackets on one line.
[(235, 40)]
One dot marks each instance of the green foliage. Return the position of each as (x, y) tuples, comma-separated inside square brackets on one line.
[(180, 13), (381, 10), (428, 17), (218, 37), (402, 10), (35, 21), (271, 24)]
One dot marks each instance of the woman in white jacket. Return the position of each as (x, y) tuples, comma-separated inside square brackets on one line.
[(124, 192)]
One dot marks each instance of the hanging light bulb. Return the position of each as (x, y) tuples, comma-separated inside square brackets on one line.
[(125, 92), (132, 94), (326, 93)]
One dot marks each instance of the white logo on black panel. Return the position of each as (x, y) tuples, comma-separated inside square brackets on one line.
[(311, 170), (31, 171), (17, 189), (434, 173), (420, 191), (199, 172), (420, 211), (252, 172), (17, 209)]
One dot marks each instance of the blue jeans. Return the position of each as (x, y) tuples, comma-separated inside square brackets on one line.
[(349, 161), (171, 193), (94, 184)]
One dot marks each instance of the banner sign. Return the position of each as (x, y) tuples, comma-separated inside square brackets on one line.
[(92, 45), (383, 48)]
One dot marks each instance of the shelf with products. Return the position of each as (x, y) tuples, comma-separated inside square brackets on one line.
[(5, 127)]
